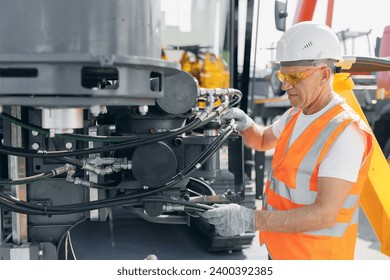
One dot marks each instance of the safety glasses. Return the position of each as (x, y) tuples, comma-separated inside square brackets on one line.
[(296, 77)]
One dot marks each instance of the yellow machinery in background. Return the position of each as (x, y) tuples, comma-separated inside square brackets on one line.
[(210, 71), (213, 73), (375, 197)]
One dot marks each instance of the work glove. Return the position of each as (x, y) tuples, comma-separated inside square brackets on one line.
[(243, 121), (231, 219)]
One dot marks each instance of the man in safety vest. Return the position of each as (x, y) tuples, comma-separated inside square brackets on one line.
[(321, 159)]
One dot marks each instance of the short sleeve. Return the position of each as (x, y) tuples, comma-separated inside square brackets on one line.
[(344, 158), (278, 125)]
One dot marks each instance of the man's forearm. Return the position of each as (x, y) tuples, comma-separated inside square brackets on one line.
[(301, 219), (253, 137)]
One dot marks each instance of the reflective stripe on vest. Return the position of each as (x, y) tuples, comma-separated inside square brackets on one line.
[(302, 196), (337, 230)]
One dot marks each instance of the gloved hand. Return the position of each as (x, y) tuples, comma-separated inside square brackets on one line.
[(231, 219), (243, 121)]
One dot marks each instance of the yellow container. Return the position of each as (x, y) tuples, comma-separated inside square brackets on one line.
[(185, 62), (214, 74), (196, 69)]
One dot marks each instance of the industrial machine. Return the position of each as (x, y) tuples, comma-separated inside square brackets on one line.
[(92, 121)]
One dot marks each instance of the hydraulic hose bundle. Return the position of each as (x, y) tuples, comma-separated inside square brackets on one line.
[(12, 204)]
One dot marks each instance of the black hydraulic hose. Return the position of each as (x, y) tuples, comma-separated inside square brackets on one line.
[(16, 208), (106, 139), (6, 201), (108, 202), (27, 180), (209, 151), (80, 137), (44, 154), (79, 207), (30, 208), (23, 124), (71, 161), (188, 171), (11, 203), (201, 159), (24, 207), (234, 102), (34, 178), (105, 186), (216, 147), (236, 99)]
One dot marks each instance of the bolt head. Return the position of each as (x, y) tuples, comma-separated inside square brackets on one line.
[(35, 146), (68, 145)]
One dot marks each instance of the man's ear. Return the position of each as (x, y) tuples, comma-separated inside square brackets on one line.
[(325, 75)]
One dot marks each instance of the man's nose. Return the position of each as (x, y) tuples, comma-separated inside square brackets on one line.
[(286, 85)]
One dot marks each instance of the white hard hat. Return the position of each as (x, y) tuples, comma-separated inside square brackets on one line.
[(308, 41)]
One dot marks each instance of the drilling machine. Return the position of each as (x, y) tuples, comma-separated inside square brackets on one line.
[(92, 120)]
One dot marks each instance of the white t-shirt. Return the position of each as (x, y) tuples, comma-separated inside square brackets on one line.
[(344, 158)]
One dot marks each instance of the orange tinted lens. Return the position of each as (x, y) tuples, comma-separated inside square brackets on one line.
[(280, 76), (292, 78), (295, 78)]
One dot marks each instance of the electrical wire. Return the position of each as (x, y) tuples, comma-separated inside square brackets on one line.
[(66, 246), (69, 229), (68, 240)]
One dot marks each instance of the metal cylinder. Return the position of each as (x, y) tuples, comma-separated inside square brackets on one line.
[(154, 165), (120, 27), (83, 53), (62, 120), (212, 164)]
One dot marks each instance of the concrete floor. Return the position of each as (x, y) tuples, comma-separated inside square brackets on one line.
[(367, 244), (136, 239)]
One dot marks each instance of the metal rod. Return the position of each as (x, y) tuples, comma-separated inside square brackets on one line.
[(17, 169)]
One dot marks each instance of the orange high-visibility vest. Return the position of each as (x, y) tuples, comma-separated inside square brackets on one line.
[(293, 182)]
